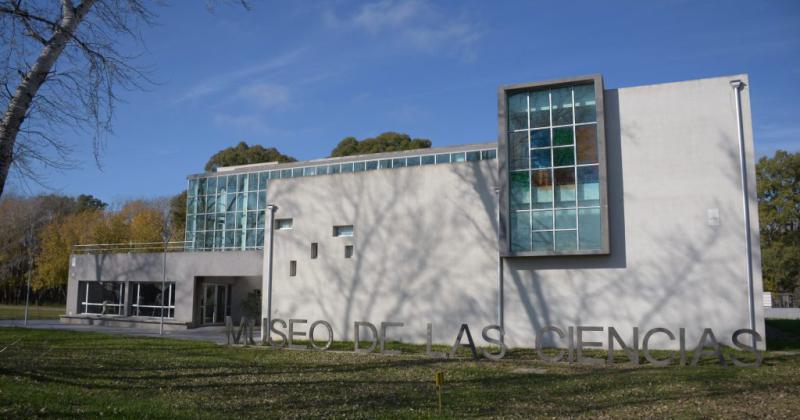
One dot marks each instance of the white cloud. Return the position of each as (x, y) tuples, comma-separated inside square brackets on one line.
[(388, 14), (413, 24), (265, 95), (248, 123), (226, 81)]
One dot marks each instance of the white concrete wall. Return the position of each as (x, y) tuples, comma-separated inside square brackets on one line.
[(425, 236), (242, 269), (425, 249), (672, 156)]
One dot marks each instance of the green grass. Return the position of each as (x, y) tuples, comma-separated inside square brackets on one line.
[(35, 312), (45, 373)]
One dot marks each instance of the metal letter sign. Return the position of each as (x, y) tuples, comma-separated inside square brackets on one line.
[(576, 338)]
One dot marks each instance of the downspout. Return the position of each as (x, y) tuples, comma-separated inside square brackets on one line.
[(737, 86), (500, 291), (266, 275)]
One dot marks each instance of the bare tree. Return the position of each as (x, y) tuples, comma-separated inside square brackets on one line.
[(64, 61)]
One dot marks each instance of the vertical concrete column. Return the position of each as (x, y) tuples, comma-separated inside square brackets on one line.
[(266, 273), (126, 300)]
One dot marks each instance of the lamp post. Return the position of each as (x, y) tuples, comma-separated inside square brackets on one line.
[(165, 236), (28, 245), (266, 274)]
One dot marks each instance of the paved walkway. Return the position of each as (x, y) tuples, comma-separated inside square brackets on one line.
[(212, 334)]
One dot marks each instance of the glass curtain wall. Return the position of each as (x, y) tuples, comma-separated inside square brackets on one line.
[(226, 212), (554, 195)]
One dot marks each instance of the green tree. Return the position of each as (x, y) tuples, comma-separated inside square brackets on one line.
[(89, 202), (389, 141), (779, 217), (242, 154)]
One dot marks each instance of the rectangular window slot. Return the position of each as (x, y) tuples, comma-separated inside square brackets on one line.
[(284, 224), (348, 251), (292, 268), (314, 250), (342, 231)]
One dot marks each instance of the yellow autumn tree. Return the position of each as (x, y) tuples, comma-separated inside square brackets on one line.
[(146, 225), (57, 239)]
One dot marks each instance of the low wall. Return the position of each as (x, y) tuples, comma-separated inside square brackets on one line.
[(123, 322), (782, 313)]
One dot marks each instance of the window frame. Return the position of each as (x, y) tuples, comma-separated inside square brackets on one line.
[(280, 226), (338, 234), (504, 173)]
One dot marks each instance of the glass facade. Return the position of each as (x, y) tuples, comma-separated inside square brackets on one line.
[(226, 211), (108, 298), (554, 167)]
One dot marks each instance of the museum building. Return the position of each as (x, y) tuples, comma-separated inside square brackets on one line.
[(617, 207)]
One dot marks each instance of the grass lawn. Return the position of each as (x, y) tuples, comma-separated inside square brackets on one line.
[(35, 312), (62, 374)]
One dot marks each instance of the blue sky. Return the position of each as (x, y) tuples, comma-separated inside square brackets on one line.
[(300, 76)]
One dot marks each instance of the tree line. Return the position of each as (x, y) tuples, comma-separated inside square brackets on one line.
[(37, 236)]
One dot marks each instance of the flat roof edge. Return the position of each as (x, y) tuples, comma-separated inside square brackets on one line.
[(333, 160)]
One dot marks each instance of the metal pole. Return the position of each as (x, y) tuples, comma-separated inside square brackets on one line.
[(165, 237), (737, 86), (28, 289), (163, 288), (500, 285), (29, 240), (266, 298)]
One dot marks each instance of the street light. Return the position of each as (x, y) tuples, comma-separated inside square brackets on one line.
[(28, 247), (165, 234)]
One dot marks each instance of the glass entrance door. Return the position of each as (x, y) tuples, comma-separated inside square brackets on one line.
[(214, 304)]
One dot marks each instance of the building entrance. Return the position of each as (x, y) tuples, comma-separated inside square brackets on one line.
[(214, 304)]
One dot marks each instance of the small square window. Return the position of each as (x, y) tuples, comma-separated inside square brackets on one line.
[(292, 268), (284, 224), (314, 250), (348, 251), (340, 231)]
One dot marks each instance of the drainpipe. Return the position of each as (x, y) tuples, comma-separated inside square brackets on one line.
[(500, 291), (266, 274), (737, 86)]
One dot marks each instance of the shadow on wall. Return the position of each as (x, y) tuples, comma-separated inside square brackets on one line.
[(415, 241), (668, 284)]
